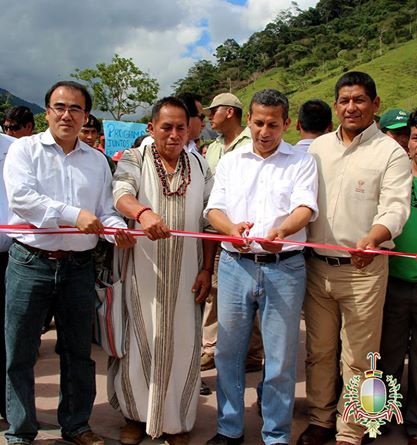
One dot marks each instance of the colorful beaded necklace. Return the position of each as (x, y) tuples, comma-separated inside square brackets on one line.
[(184, 165)]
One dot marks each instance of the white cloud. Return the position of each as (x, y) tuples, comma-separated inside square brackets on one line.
[(44, 41)]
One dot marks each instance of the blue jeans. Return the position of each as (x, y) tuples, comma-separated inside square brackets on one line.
[(33, 284), (277, 290)]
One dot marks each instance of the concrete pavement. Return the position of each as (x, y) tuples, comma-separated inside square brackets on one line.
[(107, 422)]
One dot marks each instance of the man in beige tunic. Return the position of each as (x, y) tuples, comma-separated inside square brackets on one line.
[(156, 385)]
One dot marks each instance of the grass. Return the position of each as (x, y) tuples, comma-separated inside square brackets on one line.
[(395, 74)]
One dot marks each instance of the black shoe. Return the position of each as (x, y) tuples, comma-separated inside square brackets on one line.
[(204, 389), (219, 439), (316, 435)]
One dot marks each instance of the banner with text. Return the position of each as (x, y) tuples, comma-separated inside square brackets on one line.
[(120, 135)]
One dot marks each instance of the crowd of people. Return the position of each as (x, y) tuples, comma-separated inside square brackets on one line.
[(194, 304)]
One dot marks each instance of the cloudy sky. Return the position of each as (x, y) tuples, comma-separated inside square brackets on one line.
[(43, 41)]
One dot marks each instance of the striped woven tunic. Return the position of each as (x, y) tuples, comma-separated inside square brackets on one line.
[(158, 380)]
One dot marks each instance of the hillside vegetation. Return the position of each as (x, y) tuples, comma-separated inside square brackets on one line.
[(394, 73), (302, 53)]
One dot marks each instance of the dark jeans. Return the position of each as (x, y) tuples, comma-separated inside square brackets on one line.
[(399, 335), (3, 264), (33, 284)]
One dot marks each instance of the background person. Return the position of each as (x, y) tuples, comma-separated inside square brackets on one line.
[(399, 329), (394, 123), (18, 122)]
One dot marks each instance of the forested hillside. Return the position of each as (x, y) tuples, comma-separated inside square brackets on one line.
[(302, 49)]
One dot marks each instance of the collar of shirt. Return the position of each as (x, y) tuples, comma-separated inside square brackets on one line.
[(303, 144), (283, 148), (366, 134), (245, 134), (47, 138)]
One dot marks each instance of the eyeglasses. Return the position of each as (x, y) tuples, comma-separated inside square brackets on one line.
[(74, 110), (14, 127)]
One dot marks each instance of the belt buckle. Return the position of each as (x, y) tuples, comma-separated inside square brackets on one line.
[(335, 259), (255, 257)]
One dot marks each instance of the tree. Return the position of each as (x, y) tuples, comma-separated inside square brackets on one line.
[(4, 106), (202, 78), (119, 88), (41, 123)]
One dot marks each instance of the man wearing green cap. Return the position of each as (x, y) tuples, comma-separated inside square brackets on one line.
[(394, 123), (399, 334)]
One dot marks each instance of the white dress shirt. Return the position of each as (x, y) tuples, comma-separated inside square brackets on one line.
[(48, 188), (303, 144), (250, 188), (5, 241)]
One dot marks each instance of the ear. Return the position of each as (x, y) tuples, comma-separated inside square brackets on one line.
[(86, 118), (150, 128), (298, 126), (287, 123), (377, 104), (248, 119)]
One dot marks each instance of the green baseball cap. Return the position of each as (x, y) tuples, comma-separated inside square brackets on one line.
[(394, 118)]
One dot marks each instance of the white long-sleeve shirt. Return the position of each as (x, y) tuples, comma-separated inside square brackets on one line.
[(5, 241), (47, 188), (250, 188)]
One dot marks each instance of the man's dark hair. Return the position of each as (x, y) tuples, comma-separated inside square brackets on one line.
[(21, 115), (412, 120), (174, 102), (315, 116), (356, 78), (93, 122), (73, 85), (189, 99), (139, 140), (271, 98)]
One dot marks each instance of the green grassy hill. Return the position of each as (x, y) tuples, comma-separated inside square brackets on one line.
[(395, 74)]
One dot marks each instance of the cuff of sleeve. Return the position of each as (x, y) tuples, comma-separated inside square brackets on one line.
[(393, 226), (70, 215), (119, 193), (312, 206)]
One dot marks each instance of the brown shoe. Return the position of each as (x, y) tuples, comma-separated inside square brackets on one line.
[(207, 362), (316, 435), (412, 440), (133, 432), (85, 438), (176, 439)]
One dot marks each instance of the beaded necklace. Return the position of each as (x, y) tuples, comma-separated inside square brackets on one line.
[(183, 166)]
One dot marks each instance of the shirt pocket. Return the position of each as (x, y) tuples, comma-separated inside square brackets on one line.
[(363, 184), (279, 196)]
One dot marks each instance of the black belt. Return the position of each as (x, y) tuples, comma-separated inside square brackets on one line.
[(268, 257), (55, 254), (333, 260)]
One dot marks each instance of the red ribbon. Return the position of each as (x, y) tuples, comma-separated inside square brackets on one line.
[(64, 230)]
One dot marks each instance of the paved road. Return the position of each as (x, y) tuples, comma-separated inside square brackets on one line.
[(107, 421)]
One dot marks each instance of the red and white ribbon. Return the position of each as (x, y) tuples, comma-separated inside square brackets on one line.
[(32, 230)]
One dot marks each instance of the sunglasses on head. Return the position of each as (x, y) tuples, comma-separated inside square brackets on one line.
[(14, 127)]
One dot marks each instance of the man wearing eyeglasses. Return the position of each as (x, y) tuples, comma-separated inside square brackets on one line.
[(18, 122), (53, 179)]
